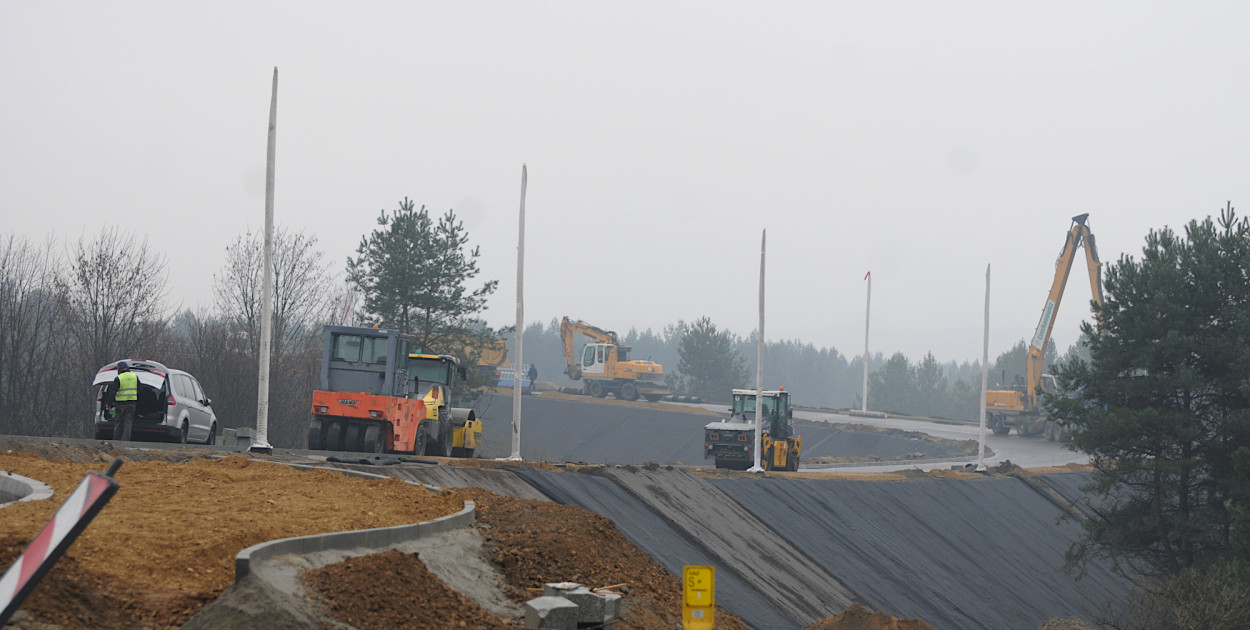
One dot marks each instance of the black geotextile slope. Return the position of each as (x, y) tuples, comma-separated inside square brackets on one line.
[(1069, 485), (670, 546), (602, 433), (959, 554), (742, 542)]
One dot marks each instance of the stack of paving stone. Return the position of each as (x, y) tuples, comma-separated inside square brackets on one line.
[(568, 606)]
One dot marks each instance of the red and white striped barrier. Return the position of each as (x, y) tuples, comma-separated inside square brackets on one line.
[(46, 548)]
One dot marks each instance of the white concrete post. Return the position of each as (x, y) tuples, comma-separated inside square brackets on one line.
[(867, 310), (520, 325), (759, 364), (985, 370), (261, 442)]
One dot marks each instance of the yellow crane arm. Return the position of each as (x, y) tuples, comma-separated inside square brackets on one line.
[(1078, 235)]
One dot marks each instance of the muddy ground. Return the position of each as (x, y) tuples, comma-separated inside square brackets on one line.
[(164, 546)]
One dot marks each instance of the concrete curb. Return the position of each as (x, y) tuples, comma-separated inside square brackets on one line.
[(14, 488), (803, 466), (376, 538)]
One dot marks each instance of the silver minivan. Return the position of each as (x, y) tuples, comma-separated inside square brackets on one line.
[(172, 405)]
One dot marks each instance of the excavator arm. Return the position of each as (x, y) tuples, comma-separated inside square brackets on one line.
[(568, 327), (1079, 235)]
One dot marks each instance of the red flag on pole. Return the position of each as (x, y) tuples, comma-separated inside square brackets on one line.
[(867, 274)]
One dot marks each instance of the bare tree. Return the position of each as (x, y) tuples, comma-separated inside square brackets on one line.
[(302, 299), (305, 296), (113, 306), (28, 318), (115, 294)]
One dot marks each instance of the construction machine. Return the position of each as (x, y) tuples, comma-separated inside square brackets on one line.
[(1018, 406), (604, 367), (491, 353), (731, 441), (379, 394)]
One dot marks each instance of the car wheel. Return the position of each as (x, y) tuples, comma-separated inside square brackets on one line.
[(212, 435), (182, 434), (629, 391), (595, 388)]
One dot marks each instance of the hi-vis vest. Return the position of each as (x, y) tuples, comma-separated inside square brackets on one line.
[(128, 387)]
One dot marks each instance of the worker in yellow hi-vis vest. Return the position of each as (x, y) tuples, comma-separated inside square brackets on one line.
[(125, 397)]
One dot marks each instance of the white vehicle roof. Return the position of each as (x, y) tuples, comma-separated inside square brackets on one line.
[(724, 425), (751, 392), (151, 379)]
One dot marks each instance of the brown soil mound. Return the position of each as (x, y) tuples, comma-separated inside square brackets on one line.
[(533, 543), (164, 546), (858, 618), (394, 590)]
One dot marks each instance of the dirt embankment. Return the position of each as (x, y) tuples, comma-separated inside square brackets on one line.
[(164, 546)]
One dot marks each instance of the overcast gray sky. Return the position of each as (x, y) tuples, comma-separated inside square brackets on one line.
[(919, 140)]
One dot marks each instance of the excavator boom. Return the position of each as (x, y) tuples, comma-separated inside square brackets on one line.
[(1020, 406), (1078, 235)]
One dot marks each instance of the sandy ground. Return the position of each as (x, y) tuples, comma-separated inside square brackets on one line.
[(160, 555), (164, 546)]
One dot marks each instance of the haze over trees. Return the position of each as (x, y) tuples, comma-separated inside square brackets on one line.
[(1162, 405), (710, 366), (816, 377), (60, 312)]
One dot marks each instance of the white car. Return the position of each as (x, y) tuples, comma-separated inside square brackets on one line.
[(172, 405)]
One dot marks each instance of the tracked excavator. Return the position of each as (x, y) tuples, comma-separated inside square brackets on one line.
[(379, 394), (604, 367), (1018, 407)]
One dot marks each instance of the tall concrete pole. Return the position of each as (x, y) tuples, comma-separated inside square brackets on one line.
[(759, 364), (520, 325), (867, 311), (266, 309), (985, 370)]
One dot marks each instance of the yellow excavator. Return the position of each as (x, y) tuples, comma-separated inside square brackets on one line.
[(604, 367), (1018, 407)]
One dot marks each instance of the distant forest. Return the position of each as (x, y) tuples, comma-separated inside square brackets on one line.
[(816, 377)]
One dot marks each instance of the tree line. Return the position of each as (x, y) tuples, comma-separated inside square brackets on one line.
[(701, 359), (1158, 395), (66, 311)]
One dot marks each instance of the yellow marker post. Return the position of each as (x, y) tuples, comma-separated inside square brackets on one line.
[(698, 602)]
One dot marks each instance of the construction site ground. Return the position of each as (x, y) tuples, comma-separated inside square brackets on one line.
[(791, 550)]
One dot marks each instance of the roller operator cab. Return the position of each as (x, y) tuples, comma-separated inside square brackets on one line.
[(731, 441), (379, 394)]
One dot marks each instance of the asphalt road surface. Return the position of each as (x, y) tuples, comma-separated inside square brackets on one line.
[(598, 432), (1026, 452)]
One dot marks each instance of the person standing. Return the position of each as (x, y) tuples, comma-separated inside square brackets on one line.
[(126, 396)]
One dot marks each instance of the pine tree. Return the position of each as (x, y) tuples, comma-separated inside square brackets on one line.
[(1163, 403), (414, 272), (709, 364)]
